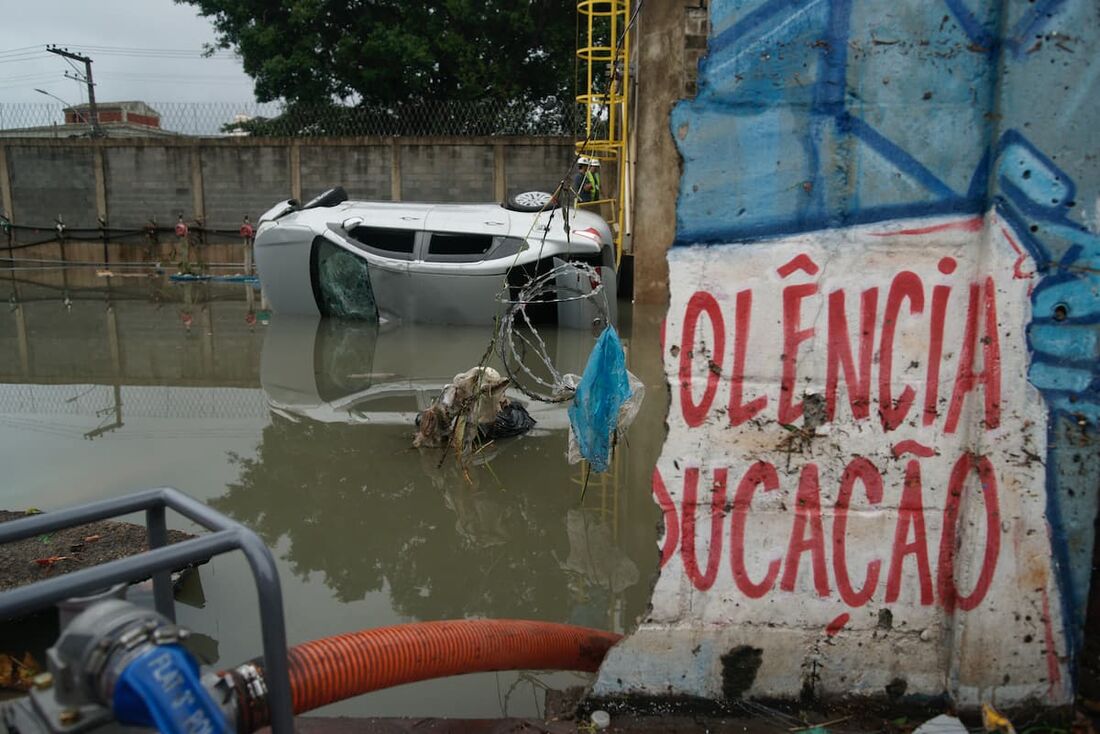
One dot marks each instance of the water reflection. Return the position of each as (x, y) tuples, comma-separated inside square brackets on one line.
[(302, 430), (504, 536)]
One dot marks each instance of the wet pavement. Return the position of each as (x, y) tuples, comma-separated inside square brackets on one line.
[(302, 430)]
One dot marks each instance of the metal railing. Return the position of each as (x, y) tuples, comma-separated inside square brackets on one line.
[(426, 118), (158, 562)]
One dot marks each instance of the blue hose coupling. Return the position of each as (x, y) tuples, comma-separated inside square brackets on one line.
[(161, 688)]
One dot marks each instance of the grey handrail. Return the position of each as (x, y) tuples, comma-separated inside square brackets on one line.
[(158, 563)]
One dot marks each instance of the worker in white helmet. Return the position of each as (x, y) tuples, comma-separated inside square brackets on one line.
[(586, 183)]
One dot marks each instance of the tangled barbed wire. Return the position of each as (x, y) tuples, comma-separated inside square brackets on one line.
[(561, 284)]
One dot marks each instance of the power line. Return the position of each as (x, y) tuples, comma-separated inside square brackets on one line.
[(155, 52), (22, 59), (75, 68), (118, 73), (21, 49), (28, 77)]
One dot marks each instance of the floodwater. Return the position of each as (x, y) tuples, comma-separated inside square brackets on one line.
[(302, 430)]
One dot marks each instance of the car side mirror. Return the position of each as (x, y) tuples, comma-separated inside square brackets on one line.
[(351, 223)]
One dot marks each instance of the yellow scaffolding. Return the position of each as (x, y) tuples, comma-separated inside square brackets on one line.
[(604, 51)]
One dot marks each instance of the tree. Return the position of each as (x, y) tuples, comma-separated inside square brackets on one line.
[(311, 52)]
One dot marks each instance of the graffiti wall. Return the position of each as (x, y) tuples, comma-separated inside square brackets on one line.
[(881, 471)]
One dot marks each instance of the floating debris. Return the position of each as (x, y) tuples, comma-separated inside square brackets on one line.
[(605, 401), (471, 411)]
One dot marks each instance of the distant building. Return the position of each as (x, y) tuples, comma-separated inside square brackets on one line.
[(132, 113), (116, 119), (235, 128)]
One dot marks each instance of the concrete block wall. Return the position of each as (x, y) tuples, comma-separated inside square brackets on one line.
[(237, 181), (220, 181), (447, 173), (133, 196), (881, 475), (46, 183), (364, 172), (535, 167)]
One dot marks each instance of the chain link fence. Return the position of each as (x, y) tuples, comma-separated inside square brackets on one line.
[(427, 118)]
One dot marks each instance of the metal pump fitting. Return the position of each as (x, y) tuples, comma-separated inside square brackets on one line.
[(85, 664)]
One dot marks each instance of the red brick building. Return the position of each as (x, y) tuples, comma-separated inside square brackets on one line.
[(133, 113)]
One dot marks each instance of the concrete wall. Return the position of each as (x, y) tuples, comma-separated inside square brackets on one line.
[(133, 196), (51, 182), (130, 182), (881, 471), (534, 167), (236, 180), (365, 172), (469, 172), (670, 39)]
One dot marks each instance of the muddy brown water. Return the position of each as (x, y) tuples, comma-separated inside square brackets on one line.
[(301, 430)]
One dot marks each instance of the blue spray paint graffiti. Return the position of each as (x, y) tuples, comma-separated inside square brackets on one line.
[(822, 114)]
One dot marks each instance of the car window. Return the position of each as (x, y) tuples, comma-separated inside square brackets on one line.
[(458, 246), (470, 247), (447, 243), (391, 242), (341, 282)]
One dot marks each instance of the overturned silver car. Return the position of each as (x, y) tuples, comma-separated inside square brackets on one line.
[(426, 263)]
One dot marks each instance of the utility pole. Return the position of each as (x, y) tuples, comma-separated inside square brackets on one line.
[(66, 53)]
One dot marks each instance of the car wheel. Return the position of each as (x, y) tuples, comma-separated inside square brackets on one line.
[(531, 201)]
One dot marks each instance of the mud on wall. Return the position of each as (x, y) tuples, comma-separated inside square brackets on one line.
[(881, 471)]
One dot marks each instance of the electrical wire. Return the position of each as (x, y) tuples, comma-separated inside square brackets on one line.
[(76, 69), (21, 49), (155, 52), (23, 59)]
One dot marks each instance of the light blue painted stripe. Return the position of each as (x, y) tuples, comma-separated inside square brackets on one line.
[(1047, 376)]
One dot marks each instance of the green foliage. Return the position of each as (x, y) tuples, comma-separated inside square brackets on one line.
[(312, 52)]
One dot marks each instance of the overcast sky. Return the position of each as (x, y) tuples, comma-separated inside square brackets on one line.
[(147, 50)]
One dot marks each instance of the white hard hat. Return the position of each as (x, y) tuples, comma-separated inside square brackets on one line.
[(584, 161), (595, 162)]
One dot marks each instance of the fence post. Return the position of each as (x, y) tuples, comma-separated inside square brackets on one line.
[(198, 210), (500, 181), (101, 195), (59, 227), (100, 181), (247, 234), (395, 170), (5, 197), (296, 170), (183, 243)]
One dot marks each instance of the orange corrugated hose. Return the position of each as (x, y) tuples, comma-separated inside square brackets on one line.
[(343, 666)]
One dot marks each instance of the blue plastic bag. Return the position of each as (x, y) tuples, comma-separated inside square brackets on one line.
[(604, 387)]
